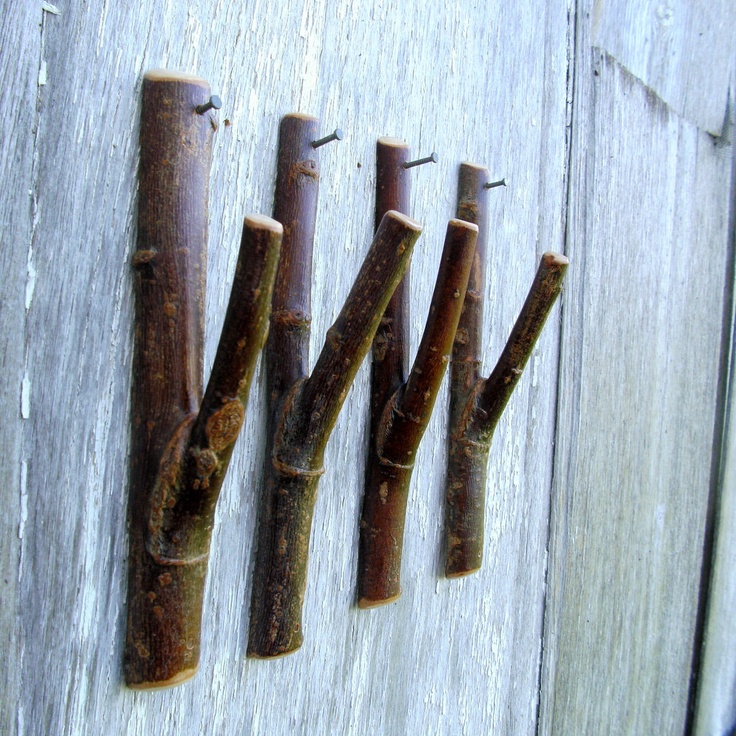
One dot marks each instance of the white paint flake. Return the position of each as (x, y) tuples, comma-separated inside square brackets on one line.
[(31, 279), (25, 398), (23, 498)]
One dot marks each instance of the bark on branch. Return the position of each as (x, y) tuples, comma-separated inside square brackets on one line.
[(181, 450), (304, 410), (400, 411), (476, 404)]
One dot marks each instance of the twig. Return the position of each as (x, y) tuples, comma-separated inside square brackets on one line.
[(304, 410), (404, 420), (180, 451), (476, 404)]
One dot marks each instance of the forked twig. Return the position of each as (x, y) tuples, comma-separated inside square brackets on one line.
[(181, 449), (303, 410), (476, 404)]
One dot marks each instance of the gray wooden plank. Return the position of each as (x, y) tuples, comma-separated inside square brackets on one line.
[(715, 711), (19, 76), (647, 230), (682, 49), (485, 84)]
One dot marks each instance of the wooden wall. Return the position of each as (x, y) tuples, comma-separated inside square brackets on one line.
[(604, 605)]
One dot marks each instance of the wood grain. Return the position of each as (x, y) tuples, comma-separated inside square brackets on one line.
[(639, 367), (20, 40)]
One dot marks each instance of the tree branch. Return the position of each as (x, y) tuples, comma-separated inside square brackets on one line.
[(404, 421), (179, 457), (470, 439), (185, 496), (302, 421)]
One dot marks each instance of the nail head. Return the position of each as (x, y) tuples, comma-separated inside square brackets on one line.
[(214, 103), (493, 184), (336, 135)]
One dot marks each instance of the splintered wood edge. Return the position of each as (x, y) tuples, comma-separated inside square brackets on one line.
[(394, 142), (263, 222), (178, 679), (371, 603)]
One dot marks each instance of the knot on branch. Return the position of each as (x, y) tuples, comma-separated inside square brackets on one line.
[(206, 462), (300, 169), (291, 318), (224, 425)]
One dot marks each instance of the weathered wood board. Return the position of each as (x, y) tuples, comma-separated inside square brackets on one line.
[(639, 371), (680, 49), (618, 445)]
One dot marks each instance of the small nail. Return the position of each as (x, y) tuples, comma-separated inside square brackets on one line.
[(214, 103), (492, 184), (338, 135), (431, 159)]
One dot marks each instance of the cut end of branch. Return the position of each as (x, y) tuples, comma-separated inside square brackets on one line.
[(392, 142), (462, 225), (262, 222), (168, 75), (452, 573), (177, 679), (552, 260), (279, 655), (476, 167), (299, 116), (403, 220), (365, 603)]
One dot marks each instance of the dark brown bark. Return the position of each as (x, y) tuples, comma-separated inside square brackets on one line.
[(302, 426), (474, 420), (179, 451), (390, 353), (400, 411), (402, 426), (472, 206), (303, 410)]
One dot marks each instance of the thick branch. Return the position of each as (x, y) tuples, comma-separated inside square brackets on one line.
[(304, 422), (165, 604), (295, 207), (470, 444), (404, 421)]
